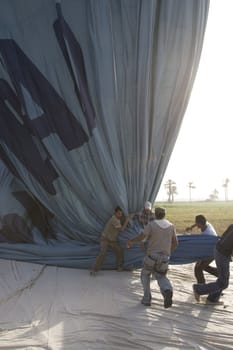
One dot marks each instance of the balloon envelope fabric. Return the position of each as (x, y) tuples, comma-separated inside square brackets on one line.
[(92, 96)]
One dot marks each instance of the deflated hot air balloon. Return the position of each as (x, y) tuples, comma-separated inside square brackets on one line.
[(92, 96)]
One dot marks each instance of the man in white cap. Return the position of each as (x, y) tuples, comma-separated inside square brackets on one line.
[(145, 215)]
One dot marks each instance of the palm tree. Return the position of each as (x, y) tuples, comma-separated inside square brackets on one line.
[(214, 195), (225, 185), (171, 188), (190, 186)]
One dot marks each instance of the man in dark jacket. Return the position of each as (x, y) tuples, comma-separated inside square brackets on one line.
[(222, 254)]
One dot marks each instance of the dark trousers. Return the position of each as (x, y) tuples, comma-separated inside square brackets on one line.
[(214, 289), (105, 244), (204, 265)]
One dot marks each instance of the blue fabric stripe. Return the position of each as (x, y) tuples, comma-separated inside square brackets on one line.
[(79, 255)]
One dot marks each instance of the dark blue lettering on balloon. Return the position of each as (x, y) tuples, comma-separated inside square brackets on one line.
[(19, 140), (32, 107), (73, 56)]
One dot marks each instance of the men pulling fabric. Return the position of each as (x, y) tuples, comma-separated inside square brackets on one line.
[(203, 265), (161, 237), (222, 254), (109, 239)]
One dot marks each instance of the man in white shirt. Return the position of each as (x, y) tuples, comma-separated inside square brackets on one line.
[(203, 265)]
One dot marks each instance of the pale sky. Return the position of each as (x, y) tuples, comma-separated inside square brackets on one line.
[(203, 150)]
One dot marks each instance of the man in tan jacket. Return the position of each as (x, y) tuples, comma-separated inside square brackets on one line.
[(109, 239)]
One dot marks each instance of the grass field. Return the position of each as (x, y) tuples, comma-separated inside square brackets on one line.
[(182, 214)]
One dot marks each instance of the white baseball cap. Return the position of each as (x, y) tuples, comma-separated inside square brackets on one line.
[(148, 205)]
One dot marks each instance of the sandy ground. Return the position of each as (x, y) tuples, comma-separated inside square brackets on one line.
[(43, 307)]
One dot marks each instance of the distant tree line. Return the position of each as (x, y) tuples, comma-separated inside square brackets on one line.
[(171, 189)]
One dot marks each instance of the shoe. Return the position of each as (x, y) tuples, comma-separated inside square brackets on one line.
[(93, 273), (196, 295), (120, 269), (167, 294), (146, 303), (212, 302)]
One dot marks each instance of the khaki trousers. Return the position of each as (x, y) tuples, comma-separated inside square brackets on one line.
[(105, 244)]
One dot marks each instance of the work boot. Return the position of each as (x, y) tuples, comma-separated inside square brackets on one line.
[(93, 273), (196, 295), (120, 268), (146, 303), (167, 294)]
